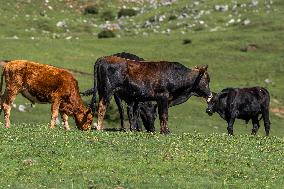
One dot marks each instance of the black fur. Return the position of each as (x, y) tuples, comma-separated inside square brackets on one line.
[(242, 103)]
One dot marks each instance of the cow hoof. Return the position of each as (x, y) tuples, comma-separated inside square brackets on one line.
[(165, 131)]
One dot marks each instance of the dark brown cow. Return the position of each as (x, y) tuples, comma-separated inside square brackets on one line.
[(167, 83), (44, 84)]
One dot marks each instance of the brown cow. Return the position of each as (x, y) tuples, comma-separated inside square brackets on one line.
[(41, 83)]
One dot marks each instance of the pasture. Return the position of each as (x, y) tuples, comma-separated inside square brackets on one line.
[(198, 153)]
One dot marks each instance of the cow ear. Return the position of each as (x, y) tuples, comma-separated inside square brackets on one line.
[(202, 69)]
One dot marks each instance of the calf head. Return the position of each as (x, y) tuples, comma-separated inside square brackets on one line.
[(201, 83), (217, 102), (84, 120), (212, 104), (148, 113)]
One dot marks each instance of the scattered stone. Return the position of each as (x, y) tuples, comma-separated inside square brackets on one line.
[(22, 108), (254, 3), (268, 81), (246, 22), (61, 24), (222, 8)]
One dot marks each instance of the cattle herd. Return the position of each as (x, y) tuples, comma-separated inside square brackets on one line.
[(147, 87)]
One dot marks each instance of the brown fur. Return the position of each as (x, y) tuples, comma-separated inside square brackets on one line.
[(45, 84)]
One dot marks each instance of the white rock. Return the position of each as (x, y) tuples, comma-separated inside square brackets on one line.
[(61, 24), (254, 3), (22, 108), (246, 22), (268, 81), (231, 21), (222, 8)]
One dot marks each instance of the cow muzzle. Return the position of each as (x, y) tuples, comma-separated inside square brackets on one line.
[(209, 112), (209, 97)]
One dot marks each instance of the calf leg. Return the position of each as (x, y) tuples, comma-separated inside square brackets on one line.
[(54, 113), (230, 128), (65, 121), (121, 111), (265, 114), (163, 115), (255, 126)]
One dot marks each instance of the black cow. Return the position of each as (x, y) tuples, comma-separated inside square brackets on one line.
[(167, 83), (145, 110), (242, 103)]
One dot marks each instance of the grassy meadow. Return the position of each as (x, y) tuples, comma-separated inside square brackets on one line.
[(198, 153)]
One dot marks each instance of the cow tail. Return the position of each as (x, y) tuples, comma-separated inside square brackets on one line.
[(94, 90)]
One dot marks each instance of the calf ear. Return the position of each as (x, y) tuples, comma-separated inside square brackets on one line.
[(223, 94)]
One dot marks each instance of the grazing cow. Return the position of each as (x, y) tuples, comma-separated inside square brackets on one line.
[(167, 83), (41, 83), (242, 103), (146, 110)]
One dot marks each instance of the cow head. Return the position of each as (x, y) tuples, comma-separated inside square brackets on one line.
[(148, 113), (84, 120), (201, 83), (212, 103)]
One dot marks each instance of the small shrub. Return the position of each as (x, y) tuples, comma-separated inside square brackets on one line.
[(126, 12), (172, 17), (106, 34), (108, 15), (91, 9), (187, 41), (44, 24)]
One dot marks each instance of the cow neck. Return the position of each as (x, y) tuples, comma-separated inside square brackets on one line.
[(196, 81)]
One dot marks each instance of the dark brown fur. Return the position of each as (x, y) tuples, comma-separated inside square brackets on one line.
[(44, 84), (167, 83)]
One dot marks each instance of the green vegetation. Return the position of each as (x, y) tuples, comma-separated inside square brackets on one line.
[(198, 154), (34, 156)]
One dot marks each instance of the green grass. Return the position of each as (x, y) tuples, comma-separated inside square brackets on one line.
[(198, 153), (34, 156)]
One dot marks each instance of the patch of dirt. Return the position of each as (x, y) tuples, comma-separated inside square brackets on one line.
[(249, 47), (278, 111)]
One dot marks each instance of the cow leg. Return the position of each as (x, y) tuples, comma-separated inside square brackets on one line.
[(103, 103), (54, 113), (265, 115), (255, 126), (8, 98), (163, 115), (132, 111), (230, 128), (65, 121), (121, 111)]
